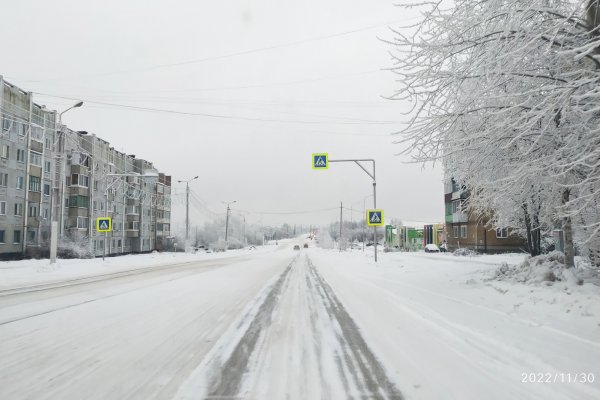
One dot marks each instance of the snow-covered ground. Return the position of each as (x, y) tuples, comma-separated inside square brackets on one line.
[(449, 331), (310, 324), (31, 272)]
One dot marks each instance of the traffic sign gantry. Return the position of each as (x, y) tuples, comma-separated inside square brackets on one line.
[(320, 161), (375, 217), (104, 224)]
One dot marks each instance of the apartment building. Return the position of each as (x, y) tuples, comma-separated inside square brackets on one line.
[(467, 230), (73, 177), (27, 139)]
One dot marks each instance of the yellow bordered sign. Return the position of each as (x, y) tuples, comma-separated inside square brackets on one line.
[(104, 224), (320, 161), (375, 217)]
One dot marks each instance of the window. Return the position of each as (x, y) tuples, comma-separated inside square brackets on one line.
[(18, 209), (2, 236), (463, 231), (5, 151), (21, 129), (48, 143), (133, 225), (79, 201), (46, 213), (132, 209), (20, 155), (30, 236), (20, 182), (456, 206), (5, 124), (81, 159), (33, 211), (46, 189), (3, 179), (35, 158), (80, 180), (47, 166), (37, 132), (502, 233), (2, 208), (456, 231), (83, 222), (95, 185), (35, 184), (17, 237)]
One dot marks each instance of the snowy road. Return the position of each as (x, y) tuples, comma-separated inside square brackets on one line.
[(300, 344), (283, 324), (136, 334)]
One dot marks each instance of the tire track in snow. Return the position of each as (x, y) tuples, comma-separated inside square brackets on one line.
[(300, 323), (371, 374), (227, 383)]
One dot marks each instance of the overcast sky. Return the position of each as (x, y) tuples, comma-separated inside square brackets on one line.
[(255, 87)]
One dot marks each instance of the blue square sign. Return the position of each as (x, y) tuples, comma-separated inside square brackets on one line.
[(104, 224), (320, 161), (375, 217)]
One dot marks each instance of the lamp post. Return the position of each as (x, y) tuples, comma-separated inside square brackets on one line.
[(187, 210), (364, 213), (60, 192), (227, 222)]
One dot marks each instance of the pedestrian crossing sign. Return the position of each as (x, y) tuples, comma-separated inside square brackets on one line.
[(320, 161), (375, 217), (104, 224)]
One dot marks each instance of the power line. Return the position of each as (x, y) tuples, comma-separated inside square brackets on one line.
[(224, 56), (288, 212), (219, 116)]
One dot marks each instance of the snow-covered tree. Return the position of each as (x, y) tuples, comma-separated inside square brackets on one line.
[(506, 93)]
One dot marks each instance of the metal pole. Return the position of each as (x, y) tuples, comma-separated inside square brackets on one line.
[(187, 214), (226, 225), (105, 213), (340, 241), (374, 206)]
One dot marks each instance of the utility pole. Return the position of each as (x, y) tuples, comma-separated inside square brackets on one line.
[(227, 222), (59, 186), (187, 210), (340, 242), (244, 231)]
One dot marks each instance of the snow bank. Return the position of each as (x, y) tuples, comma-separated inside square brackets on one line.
[(464, 252), (547, 269)]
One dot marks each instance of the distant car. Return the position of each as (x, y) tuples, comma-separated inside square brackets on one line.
[(306, 245), (443, 247), (252, 248), (432, 248), (296, 247)]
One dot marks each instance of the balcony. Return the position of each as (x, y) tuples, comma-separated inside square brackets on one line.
[(460, 216)]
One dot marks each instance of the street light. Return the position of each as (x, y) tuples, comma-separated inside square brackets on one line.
[(59, 195), (187, 209), (227, 221)]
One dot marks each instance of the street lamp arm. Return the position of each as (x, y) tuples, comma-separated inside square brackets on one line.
[(79, 104)]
